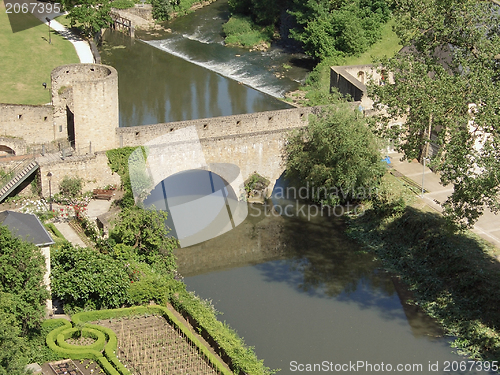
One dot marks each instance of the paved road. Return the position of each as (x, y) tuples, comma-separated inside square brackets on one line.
[(488, 225)]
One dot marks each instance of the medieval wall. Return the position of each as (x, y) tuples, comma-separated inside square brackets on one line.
[(32, 123), (94, 171)]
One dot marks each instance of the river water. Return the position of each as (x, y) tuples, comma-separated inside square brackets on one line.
[(301, 292), (294, 286), (189, 74)]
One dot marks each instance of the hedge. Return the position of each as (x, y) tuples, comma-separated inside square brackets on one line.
[(110, 349)]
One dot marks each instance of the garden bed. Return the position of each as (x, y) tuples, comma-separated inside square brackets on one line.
[(148, 345)]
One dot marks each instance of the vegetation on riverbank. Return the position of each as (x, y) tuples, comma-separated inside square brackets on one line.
[(28, 58), (241, 31), (453, 275)]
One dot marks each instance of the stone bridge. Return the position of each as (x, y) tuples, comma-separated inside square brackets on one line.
[(254, 142)]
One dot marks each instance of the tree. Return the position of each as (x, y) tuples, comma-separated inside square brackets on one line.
[(336, 152), (86, 279), (12, 356), (338, 28), (452, 64), (22, 268), (146, 232), (93, 15)]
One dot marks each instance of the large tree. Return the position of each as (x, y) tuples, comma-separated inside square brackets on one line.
[(93, 15), (452, 64), (337, 155)]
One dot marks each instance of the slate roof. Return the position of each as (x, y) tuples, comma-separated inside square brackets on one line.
[(26, 227)]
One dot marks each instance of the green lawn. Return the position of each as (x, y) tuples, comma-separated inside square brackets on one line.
[(27, 59)]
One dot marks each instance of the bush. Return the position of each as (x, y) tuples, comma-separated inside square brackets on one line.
[(241, 31), (71, 187)]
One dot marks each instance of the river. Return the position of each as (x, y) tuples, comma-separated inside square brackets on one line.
[(296, 288)]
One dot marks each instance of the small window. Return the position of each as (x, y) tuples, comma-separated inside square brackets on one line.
[(271, 118), (238, 123), (171, 129), (91, 69), (205, 126), (45, 118), (19, 117), (60, 128), (301, 115), (136, 133)]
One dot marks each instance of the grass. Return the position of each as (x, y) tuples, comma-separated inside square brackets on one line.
[(388, 46), (28, 59)]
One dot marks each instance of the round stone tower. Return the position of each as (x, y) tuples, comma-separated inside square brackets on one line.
[(85, 99)]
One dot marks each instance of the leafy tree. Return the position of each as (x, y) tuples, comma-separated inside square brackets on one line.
[(22, 268), (86, 279), (337, 152), (93, 15), (12, 357), (338, 28), (146, 232), (452, 64)]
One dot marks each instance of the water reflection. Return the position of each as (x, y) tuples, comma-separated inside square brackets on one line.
[(155, 86)]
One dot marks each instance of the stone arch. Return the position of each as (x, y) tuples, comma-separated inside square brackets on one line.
[(6, 151)]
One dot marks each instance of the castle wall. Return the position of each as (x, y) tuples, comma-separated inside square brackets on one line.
[(253, 142), (93, 169), (32, 123)]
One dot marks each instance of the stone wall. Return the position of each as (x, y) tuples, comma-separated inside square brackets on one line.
[(93, 169), (32, 123), (254, 142)]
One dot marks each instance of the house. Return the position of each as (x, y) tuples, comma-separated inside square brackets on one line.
[(28, 227)]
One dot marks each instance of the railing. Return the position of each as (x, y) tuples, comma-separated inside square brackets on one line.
[(16, 176)]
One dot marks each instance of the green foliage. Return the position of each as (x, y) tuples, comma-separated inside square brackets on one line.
[(262, 12), (71, 187), (22, 267), (435, 92), (85, 279), (241, 31), (12, 356), (123, 4), (146, 232), (118, 163), (162, 9), (150, 288), (338, 153), (92, 15), (454, 277), (338, 28)]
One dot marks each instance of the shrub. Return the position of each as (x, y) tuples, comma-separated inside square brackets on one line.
[(71, 186)]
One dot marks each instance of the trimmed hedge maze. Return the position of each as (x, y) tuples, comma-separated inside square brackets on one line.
[(103, 349)]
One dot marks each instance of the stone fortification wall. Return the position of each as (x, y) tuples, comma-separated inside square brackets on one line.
[(87, 93), (94, 171), (216, 127), (32, 123), (254, 142)]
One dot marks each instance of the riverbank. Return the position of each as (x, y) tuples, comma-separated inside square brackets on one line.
[(455, 277)]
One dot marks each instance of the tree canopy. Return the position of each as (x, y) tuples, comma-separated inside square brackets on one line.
[(336, 151), (93, 15), (451, 66), (22, 267)]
